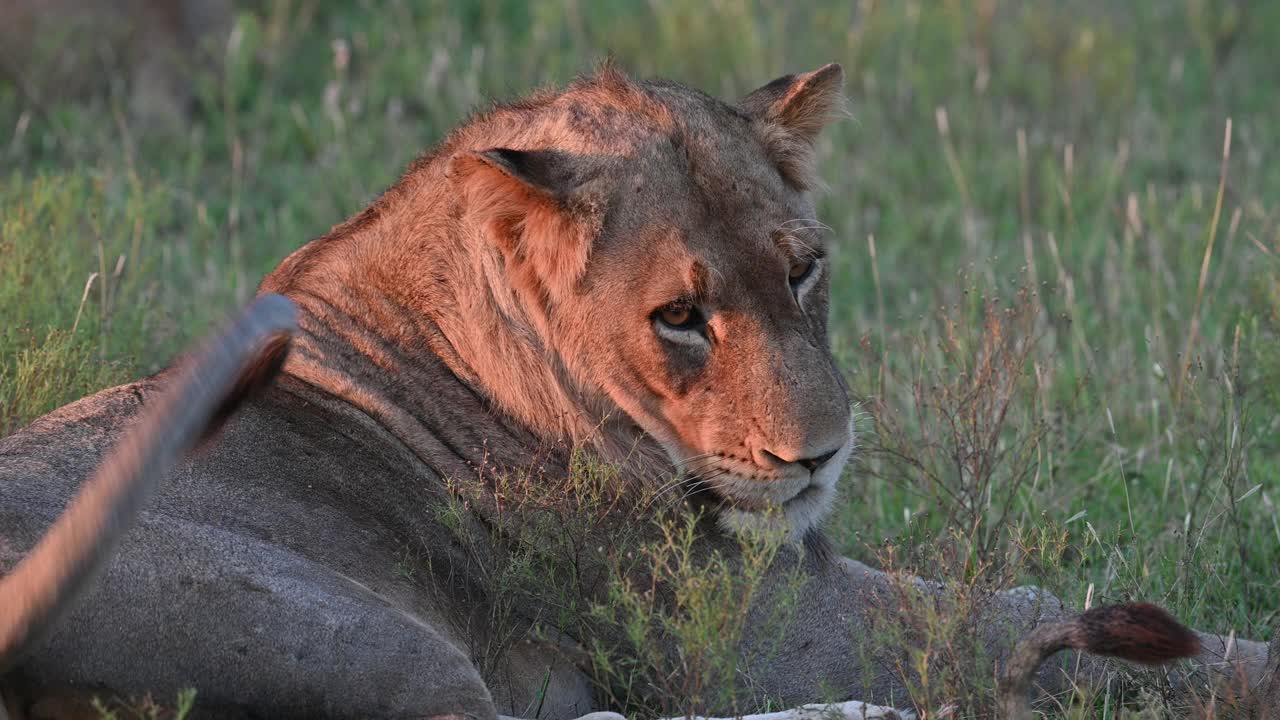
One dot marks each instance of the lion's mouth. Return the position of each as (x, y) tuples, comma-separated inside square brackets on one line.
[(805, 493), (701, 489)]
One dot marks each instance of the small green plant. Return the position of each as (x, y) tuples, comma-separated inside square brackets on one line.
[(146, 708), (682, 614)]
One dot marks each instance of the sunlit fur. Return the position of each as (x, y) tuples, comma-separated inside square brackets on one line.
[(542, 237)]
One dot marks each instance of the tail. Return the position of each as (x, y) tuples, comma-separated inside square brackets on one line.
[(1137, 632), (202, 394)]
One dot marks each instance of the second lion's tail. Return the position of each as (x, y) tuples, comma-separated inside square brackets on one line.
[(1138, 632)]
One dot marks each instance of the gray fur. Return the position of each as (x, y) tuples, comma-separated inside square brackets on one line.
[(205, 390)]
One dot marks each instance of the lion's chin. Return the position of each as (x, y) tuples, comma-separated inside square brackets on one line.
[(789, 522)]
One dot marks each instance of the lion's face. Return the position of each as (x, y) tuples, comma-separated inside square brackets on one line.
[(687, 281), (706, 304)]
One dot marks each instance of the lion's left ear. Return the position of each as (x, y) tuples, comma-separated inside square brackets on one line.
[(790, 112), (529, 202)]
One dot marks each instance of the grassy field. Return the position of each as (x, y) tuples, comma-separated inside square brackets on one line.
[(1057, 284)]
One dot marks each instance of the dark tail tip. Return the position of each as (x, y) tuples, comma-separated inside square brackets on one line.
[(1138, 632)]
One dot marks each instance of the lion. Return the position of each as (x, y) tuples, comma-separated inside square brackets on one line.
[(626, 268)]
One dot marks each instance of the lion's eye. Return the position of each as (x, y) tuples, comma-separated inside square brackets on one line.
[(800, 269), (677, 317), (800, 273), (680, 322)]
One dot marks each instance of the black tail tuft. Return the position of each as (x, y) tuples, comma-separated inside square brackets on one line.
[(1138, 632)]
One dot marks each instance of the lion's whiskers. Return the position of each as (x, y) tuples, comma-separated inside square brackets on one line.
[(700, 483), (687, 477), (694, 485), (810, 224), (679, 480)]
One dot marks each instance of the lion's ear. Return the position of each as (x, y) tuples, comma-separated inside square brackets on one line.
[(790, 112), (526, 199), (800, 104)]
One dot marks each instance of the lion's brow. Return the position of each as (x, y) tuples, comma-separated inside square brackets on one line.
[(800, 237), (703, 280)]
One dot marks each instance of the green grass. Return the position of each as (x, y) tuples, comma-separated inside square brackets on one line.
[(1063, 384)]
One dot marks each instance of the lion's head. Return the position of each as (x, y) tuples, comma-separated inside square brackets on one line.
[(665, 249)]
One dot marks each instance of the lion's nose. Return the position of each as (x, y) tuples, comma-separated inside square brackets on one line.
[(811, 463)]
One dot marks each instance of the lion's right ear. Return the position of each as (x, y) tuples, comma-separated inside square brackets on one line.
[(526, 199), (790, 112)]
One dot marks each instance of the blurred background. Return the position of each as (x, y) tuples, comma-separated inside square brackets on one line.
[(1055, 286)]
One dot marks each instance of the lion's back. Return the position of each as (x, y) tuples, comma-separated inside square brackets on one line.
[(42, 464), (276, 469), (272, 549)]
